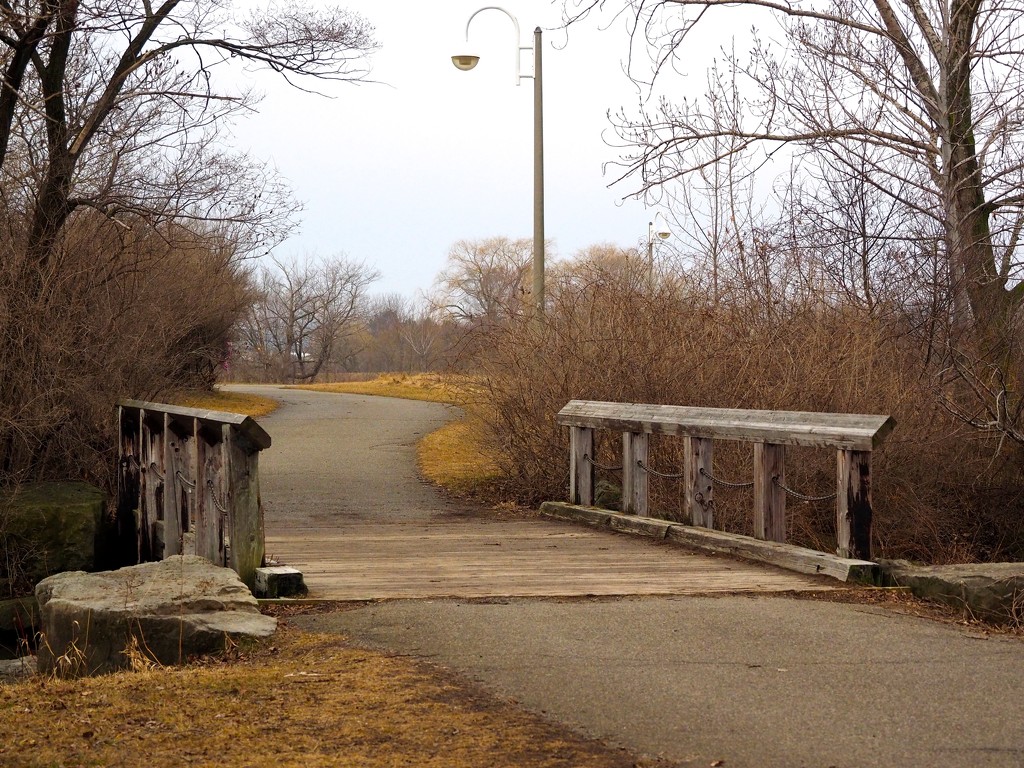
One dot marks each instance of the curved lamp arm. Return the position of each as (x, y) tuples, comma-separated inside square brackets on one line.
[(467, 62)]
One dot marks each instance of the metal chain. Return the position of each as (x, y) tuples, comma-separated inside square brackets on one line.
[(725, 483), (216, 502), (795, 495), (666, 475), (587, 458), (189, 484)]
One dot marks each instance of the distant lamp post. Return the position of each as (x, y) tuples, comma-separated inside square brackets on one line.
[(661, 231), (466, 62)]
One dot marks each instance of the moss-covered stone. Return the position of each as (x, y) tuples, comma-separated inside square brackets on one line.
[(47, 528), (19, 614)]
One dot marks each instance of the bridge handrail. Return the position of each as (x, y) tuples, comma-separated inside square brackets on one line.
[(188, 480), (853, 436)]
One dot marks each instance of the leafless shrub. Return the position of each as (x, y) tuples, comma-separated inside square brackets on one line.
[(120, 314), (943, 492)]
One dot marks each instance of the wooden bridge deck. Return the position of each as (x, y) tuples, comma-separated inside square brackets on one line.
[(344, 504), (489, 558)]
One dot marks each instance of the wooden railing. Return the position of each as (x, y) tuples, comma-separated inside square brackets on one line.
[(853, 436), (190, 479)]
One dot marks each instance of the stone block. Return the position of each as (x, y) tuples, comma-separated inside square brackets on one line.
[(279, 581), (46, 528), (166, 612), (990, 591)]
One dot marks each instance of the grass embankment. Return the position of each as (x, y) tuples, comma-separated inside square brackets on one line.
[(297, 700), (232, 402), (456, 456)]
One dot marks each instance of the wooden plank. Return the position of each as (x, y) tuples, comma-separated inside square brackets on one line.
[(175, 523), (853, 504), (792, 558), (698, 491), (246, 425), (769, 497), (481, 558), (207, 467), (128, 485), (634, 476), (862, 432), (245, 511), (581, 468)]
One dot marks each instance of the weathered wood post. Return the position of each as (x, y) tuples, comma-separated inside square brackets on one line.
[(634, 476), (581, 466), (853, 504), (243, 503), (769, 497), (698, 498)]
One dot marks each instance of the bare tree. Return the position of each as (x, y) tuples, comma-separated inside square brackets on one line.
[(87, 84), (484, 281), (304, 313), (935, 90)]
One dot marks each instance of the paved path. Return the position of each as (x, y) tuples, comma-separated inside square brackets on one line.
[(344, 504), (756, 681)]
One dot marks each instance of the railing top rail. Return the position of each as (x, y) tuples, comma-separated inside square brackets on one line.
[(849, 431), (245, 425)]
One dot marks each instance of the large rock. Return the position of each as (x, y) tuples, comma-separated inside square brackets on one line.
[(990, 591), (167, 612), (48, 528)]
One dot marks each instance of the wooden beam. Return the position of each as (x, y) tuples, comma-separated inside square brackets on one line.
[(769, 498), (862, 432), (853, 504), (698, 498), (245, 508), (581, 468), (172, 504), (634, 476)]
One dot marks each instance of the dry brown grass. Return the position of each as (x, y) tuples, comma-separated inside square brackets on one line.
[(298, 700), (232, 402), (455, 457), (432, 387)]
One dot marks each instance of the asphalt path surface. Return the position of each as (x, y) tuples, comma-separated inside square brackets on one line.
[(731, 681)]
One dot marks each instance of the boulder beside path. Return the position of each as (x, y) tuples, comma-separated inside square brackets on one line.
[(165, 612)]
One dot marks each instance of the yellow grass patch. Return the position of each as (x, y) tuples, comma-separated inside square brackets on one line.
[(420, 386), (456, 457), (232, 402), (298, 700)]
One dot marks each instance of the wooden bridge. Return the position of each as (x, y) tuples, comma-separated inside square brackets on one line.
[(367, 528), (343, 502)]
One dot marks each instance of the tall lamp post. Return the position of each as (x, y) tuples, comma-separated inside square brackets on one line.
[(662, 233), (466, 62)]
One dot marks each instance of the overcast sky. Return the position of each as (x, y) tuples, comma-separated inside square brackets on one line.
[(394, 173)]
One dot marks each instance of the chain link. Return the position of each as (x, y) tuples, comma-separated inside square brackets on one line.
[(802, 497), (656, 473), (587, 458), (724, 483), (216, 502), (189, 484)]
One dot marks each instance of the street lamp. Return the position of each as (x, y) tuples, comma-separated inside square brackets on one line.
[(466, 62), (662, 233)]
